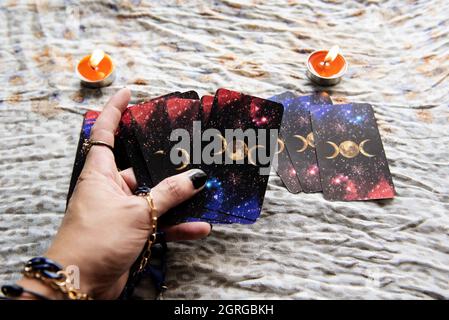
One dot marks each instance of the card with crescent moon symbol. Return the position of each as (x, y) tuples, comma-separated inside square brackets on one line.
[(296, 129), (351, 157), (233, 193), (283, 163)]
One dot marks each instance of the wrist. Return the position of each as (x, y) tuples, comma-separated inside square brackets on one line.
[(78, 272)]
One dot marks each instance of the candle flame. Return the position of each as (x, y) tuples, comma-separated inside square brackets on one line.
[(332, 54), (96, 57)]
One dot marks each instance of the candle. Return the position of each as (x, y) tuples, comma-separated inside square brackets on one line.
[(96, 70), (326, 67)]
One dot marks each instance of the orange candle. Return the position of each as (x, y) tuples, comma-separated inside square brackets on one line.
[(96, 70), (326, 67)]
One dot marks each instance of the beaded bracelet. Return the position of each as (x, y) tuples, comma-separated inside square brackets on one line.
[(50, 273)]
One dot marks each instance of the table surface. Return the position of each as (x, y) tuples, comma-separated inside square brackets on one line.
[(302, 246)]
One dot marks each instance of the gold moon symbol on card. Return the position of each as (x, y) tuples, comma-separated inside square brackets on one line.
[(363, 151), (281, 146), (336, 150), (250, 153), (304, 143), (349, 149), (310, 140), (186, 159), (160, 152), (224, 145), (239, 152)]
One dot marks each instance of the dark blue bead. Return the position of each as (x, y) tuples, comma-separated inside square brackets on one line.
[(46, 266), (12, 290), (39, 262), (51, 275)]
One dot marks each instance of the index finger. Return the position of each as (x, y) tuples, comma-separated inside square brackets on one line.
[(109, 119)]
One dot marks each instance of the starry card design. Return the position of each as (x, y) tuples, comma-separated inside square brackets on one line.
[(181, 115), (296, 129), (206, 107), (283, 163), (234, 193), (130, 145), (151, 127), (352, 161)]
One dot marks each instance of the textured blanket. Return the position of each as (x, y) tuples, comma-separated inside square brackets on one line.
[(302, 246)]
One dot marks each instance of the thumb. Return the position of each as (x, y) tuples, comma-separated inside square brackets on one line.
[(176, 189)]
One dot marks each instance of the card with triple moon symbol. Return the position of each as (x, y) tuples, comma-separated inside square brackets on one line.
[(234, 193), (351, 157)]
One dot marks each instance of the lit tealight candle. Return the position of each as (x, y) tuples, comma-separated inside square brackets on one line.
[(96, 70), (326, 67)]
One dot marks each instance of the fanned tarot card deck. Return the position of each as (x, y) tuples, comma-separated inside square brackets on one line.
[(235, 138)]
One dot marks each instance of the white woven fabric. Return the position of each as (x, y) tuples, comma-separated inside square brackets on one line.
[(302, 246)]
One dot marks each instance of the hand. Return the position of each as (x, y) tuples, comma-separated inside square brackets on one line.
[(106, 226)]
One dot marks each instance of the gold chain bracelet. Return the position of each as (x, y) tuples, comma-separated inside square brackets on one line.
[(152, 238), (61, 284)]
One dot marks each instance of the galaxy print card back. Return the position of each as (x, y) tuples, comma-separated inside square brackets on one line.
[(352, 161), (282, 162), (128, 140), (151, 128), (296, 129), (182, 113), (235, 189), (206, 107)]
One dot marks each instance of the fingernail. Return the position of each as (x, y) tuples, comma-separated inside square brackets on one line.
[(211, 227), (198, 178)]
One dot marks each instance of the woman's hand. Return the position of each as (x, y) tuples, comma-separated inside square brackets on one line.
[(106, 226)]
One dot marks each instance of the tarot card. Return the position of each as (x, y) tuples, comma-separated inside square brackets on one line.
[(206, 106), (352, 161), (151, 128), (282, 163), (128, 140), (235, 188), (182, 113), (189, 95), (296, 129), (284, 96)]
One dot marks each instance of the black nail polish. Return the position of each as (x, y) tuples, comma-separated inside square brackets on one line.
[(198, 178)]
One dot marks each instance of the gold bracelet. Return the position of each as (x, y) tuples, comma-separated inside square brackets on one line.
[(152, 237), (61, 283)]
